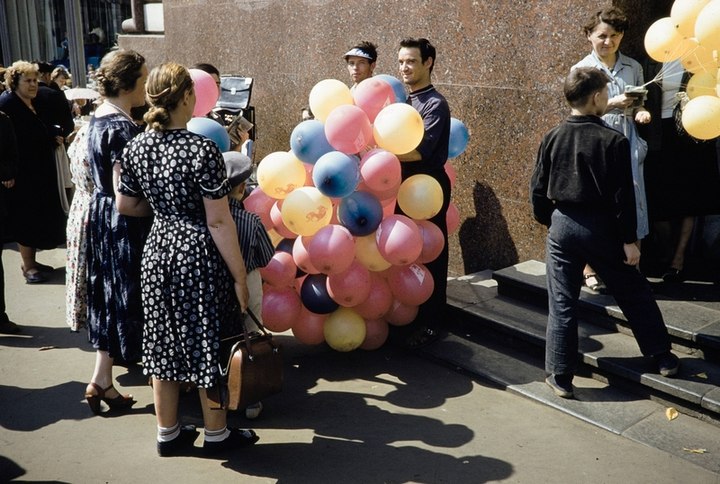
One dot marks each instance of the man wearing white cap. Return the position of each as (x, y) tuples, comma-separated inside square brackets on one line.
[(361, 61)]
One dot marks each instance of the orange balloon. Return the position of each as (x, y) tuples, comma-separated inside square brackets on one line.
[(702, 84), (398, 128), (707, 26), (280, 173), (662, 40), (420, 197), (701, 117), (368, 254), (326, 95), (684, 13), (344, 330), (306, 210), (698, 58)]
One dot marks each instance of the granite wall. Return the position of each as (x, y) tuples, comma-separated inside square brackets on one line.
[(500, 64)]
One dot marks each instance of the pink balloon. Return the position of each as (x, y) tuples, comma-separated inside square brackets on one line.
[(451, 173), (372, 95), (379, 299), (309, 327), (280, 271), (376, 333), (280, 308), (301, 256), (348, 129), (433, 241), (308, 174), (351, 287), (412, 284), (398, 239), (401, 314), (388, 207), (206, 92), (258, 202), (277, 221), (453, 218), (332, 249), (380, 170)]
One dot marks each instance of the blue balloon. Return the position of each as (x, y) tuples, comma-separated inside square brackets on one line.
[(360, 213), (397, 85), (285, 245), (336, 174), (212, 130), (314, 295), (459, 137), (308, 141)]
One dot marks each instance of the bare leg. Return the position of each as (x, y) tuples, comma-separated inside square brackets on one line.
[(28, 258), (166, 395), (102, 375), (214, 419)]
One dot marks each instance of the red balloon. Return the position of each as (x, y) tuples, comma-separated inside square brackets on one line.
[(280, 271), (308, 174), (348, 129), (280, 308), (451, 173), (351, 287), (388, 207), (206, 92), (332, 249), (376, 333), (401, 314), (372, 95), (301, 256), (433, 241), (380, 170), (277, 221), (453, 218), (379, 299), (309, 327), (398, 239), (412, 284), (260, 203)]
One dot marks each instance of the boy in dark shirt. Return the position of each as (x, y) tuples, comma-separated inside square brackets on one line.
[(582, 190)]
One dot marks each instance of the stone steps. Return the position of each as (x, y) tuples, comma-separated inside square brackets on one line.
[(511, 304)]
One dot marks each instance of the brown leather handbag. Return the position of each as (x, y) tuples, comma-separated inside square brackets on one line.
[(254, 367)]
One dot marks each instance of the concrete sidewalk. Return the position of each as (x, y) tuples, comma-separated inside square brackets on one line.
[(361, 417)]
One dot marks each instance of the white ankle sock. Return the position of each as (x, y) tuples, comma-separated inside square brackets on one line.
[(216, 435), (166, 434)]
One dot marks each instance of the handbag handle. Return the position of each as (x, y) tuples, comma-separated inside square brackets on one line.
[(246, 335)]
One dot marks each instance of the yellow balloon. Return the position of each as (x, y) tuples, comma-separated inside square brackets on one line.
[(701, 117), (280, 173), (306, 210), (698, 58), (684, 13), (702, 84), (662, 40), (420, 197), (398, 128), (368, 254), (707, 26), (326, 95), (344, 330), (275, 237)]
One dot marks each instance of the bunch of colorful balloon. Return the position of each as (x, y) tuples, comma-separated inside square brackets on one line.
[(346, 265), (692, 34)]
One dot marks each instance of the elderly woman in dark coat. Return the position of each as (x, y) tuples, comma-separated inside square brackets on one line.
[(36, 219)]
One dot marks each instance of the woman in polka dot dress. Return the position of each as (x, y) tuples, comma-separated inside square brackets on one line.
[(193, 275)]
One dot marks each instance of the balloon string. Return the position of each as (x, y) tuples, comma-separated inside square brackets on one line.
[(661, 73)]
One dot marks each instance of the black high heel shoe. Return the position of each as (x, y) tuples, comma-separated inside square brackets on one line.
[(115, 403)]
